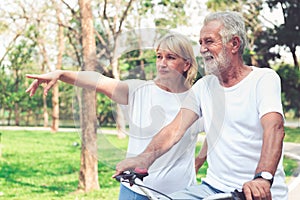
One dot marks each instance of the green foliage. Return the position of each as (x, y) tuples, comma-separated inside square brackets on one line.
[(289, 166), (174, 14), (105, 110), (290, 83), (292, 135), (264, 42), (134, 63)]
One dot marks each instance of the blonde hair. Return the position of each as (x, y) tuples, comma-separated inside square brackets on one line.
[(182, 47)]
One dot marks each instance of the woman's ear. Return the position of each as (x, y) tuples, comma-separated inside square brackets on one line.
[(187, 66)]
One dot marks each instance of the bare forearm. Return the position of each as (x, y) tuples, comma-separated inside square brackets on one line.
[(84, 79), (272, 145), (160, 144), (271, 151), (169, 135)]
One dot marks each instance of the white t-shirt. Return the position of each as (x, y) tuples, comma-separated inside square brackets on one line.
[(150, 109), (233, 129)]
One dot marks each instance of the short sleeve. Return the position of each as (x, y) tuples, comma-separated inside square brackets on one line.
[(269, 94), (192, 100)]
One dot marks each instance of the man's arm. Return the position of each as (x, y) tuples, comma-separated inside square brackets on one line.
[(161, 142), (273, 127)]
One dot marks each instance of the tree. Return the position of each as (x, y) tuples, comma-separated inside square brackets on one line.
[(55, 90), (290, 81), (288, 33), (20, 57), (88, 176)]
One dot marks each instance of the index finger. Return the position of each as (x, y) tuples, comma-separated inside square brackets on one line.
[(33, 76), (117, 172), (247, 192)]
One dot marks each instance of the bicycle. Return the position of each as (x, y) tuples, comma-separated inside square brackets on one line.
[(135, 177)]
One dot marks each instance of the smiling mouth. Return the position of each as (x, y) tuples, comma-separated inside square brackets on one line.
[(208, 58), (163, 72)]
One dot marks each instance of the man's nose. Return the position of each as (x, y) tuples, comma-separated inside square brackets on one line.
[(203, 49)]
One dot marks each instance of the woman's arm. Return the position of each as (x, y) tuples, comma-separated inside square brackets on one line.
[(114, 89)]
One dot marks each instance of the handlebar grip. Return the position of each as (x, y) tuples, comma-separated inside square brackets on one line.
[(118, 177), (140, 172), (237, 195), (125, 175)]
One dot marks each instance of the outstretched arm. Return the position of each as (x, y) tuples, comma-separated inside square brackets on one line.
[(161, 142), (114, 89)]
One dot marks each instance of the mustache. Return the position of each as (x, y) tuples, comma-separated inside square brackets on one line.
[(207, 55)]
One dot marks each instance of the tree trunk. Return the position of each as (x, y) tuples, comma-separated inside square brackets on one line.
[(45, 112), (17, 115), (55, 91), (88, 176), (9, 116), (55, 109), (293, 51), (45, 64), (16, 105)]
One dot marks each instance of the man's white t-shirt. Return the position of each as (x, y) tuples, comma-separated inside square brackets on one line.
[(233, 129), (149, 109)]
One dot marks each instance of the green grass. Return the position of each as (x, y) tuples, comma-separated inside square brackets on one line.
[(41, 165), (292, 135)]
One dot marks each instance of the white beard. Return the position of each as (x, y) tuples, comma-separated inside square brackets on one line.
[(217, 64)]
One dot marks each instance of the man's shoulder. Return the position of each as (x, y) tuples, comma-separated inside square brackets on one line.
[(263, 70)]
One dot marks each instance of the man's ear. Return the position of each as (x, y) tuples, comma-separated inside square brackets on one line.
[(236, 43)]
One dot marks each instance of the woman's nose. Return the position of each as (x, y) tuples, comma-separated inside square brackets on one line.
[(163, 62)]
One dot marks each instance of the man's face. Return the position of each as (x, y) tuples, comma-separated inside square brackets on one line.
[(212, 48)]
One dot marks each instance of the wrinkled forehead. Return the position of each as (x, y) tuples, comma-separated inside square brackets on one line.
[(211, 28)]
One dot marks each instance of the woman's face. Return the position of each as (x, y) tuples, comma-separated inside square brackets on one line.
[(169, 65)]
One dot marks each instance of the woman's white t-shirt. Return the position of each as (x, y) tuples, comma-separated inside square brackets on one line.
[(149, 109)]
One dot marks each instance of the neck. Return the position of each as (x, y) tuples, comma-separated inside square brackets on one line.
[(234, 74), (174, 86)]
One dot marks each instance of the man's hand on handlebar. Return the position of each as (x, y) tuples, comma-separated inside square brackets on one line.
[(131, 164), (257, 189)]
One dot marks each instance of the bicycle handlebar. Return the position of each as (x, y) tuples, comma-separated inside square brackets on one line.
[(131, 175)]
